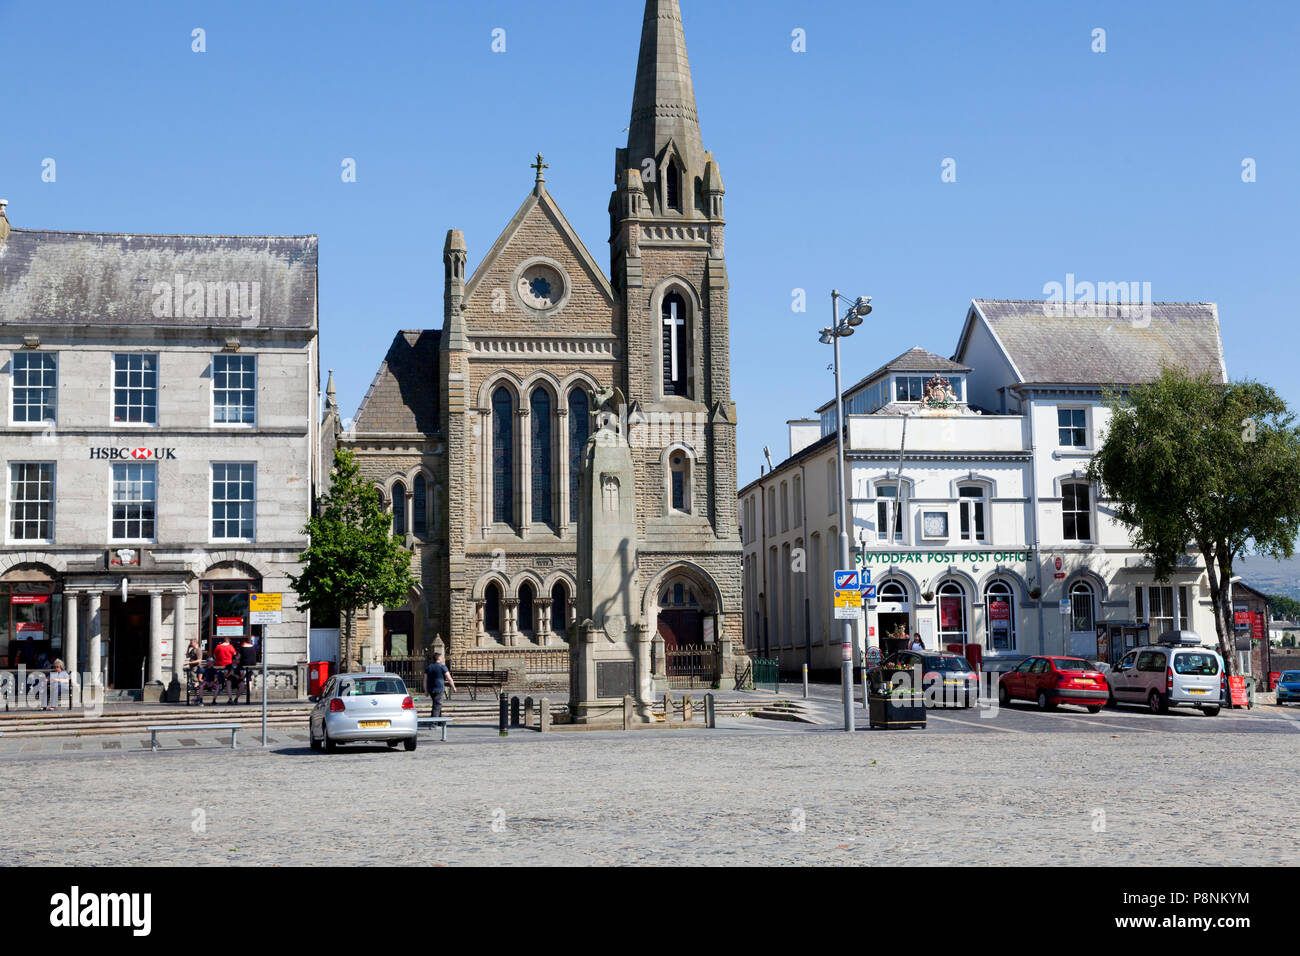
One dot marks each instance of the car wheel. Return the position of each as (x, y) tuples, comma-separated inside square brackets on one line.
[(1210, 711), (409, 743), (330, 746), (315, 744), (1156, 704), (1043, 702), (1094, 709), (1111, 702), (1004, 697)]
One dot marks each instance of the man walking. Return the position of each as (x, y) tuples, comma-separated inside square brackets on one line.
[(436, 679)]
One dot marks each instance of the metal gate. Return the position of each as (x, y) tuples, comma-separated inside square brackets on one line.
[(691, 666)]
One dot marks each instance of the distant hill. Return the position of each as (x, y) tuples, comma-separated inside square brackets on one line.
[(1269, 576)]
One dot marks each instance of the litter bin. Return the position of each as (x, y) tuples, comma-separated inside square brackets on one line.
[(1251, 681), (318, 672)]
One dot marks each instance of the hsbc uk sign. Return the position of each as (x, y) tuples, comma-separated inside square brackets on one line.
[(136, 454)]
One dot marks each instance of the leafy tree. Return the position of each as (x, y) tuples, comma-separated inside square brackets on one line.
[(1284, 606), (1193, 463), (353, 560)]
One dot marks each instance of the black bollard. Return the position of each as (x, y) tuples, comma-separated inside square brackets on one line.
[(514, 711), (504, 716)]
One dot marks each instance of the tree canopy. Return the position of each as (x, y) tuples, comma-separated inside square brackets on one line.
[(353, 560), (1193, 464)]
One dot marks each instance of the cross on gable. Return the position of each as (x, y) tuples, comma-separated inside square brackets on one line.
[(539, 166)]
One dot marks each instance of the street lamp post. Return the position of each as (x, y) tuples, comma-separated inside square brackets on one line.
[(838, 329)]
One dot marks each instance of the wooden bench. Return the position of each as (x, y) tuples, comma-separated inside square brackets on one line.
[(155, 729), (432, 722), (473, 680)]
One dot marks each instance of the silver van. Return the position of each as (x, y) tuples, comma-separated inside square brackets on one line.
[(1178, 671)]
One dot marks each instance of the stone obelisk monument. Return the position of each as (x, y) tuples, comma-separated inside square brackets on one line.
[(610, 657)]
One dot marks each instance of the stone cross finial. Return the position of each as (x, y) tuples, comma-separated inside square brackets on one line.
[(539, 166)]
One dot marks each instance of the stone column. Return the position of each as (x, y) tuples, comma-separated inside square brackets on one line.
[(178, 645), (480, 635), (509, 623), (523, 468), (71, 632), (566, 456), (94, 635), (153, 686), (542, 620)]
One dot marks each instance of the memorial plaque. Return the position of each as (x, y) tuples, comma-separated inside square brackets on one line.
[(615, 678)]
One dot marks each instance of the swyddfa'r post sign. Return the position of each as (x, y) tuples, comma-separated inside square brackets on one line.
[(946, 557)]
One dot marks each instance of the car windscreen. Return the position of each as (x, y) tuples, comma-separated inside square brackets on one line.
[(1074, 664), (1290, 676), (367, 686), (959, 664), (1204, 665)]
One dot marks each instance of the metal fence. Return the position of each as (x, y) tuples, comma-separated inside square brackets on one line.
[(767, 674), (691, 666), (540, 663)]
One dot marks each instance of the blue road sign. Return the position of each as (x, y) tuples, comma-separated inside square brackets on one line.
[(864, 577), (846, 580), (868, 592)]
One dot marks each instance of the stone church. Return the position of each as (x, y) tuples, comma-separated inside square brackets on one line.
[(473, 433)]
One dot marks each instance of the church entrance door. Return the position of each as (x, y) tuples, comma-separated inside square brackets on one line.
[(681, 628)]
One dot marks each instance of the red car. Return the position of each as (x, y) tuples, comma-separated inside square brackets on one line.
[(1055, 680)]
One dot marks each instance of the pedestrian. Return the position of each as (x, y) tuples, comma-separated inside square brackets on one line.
[(436, 679), (917, 643)]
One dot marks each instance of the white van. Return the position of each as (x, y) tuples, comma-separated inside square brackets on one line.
[(1178, 671)]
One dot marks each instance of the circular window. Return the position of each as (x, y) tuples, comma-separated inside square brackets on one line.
[(541, 287)]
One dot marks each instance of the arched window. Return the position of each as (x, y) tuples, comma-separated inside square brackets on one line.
[(559, 609), (1076, 513), (676, 346), (1081, 607), (952, 614), (887, 503), (579, 432), (492, 609), (1000, 606), (420, 506), (972, 512), (541, 427), (526, 623), (503, 459), (679, 480), (399, 509), (673, 186)]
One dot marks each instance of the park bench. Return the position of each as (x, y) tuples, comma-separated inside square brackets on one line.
[(431, 722), (155, 729), (473, 680)]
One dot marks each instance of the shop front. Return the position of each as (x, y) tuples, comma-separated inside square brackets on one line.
[(31, 618)]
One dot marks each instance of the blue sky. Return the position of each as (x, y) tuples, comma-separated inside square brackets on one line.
[(1116, 166)]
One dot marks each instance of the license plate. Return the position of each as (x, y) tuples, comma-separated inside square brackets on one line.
[(372, 723), (1086, 680), (1197, 690)]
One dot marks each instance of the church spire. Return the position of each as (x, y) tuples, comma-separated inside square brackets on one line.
[(663, 104)]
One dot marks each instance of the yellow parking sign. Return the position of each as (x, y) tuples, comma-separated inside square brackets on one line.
[(848, 604), (265, 602)]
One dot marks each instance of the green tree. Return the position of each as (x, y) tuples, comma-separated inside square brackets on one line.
[(1192, 463), (1283, 606), (353, 560)]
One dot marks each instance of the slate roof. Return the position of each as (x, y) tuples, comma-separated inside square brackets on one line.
[(95, 278), (1118, 346), (915, 359), (404, 394)]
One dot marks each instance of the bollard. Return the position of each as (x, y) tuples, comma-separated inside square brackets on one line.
[(528, 711), (514, 711), (544, 719), (627, 711), (710, 712), (688, 709), (503, 717), (805, 682), (668, 707)]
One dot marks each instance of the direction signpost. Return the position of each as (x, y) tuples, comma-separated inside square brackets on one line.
[(264, 609)]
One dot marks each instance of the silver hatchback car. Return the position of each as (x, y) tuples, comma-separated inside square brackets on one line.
[(357, 707)]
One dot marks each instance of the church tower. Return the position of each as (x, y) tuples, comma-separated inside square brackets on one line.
[(669, 272)]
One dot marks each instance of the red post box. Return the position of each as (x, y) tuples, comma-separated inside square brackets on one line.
[(318, 672)]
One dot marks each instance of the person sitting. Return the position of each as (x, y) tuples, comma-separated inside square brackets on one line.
[(210, 679), (235, 679)]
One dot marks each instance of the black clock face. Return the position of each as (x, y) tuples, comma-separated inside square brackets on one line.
[(541, 287)]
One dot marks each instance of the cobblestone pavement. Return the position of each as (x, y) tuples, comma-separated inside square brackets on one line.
[(750, 792)]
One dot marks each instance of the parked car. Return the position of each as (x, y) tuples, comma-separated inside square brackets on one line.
[(1288, 687), (947, 679), (1050, 681), (358, 707), (1179, 671)]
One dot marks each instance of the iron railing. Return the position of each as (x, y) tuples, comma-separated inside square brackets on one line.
[(691, 666)]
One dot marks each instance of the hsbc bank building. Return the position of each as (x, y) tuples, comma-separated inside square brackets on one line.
[(158, 410)]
